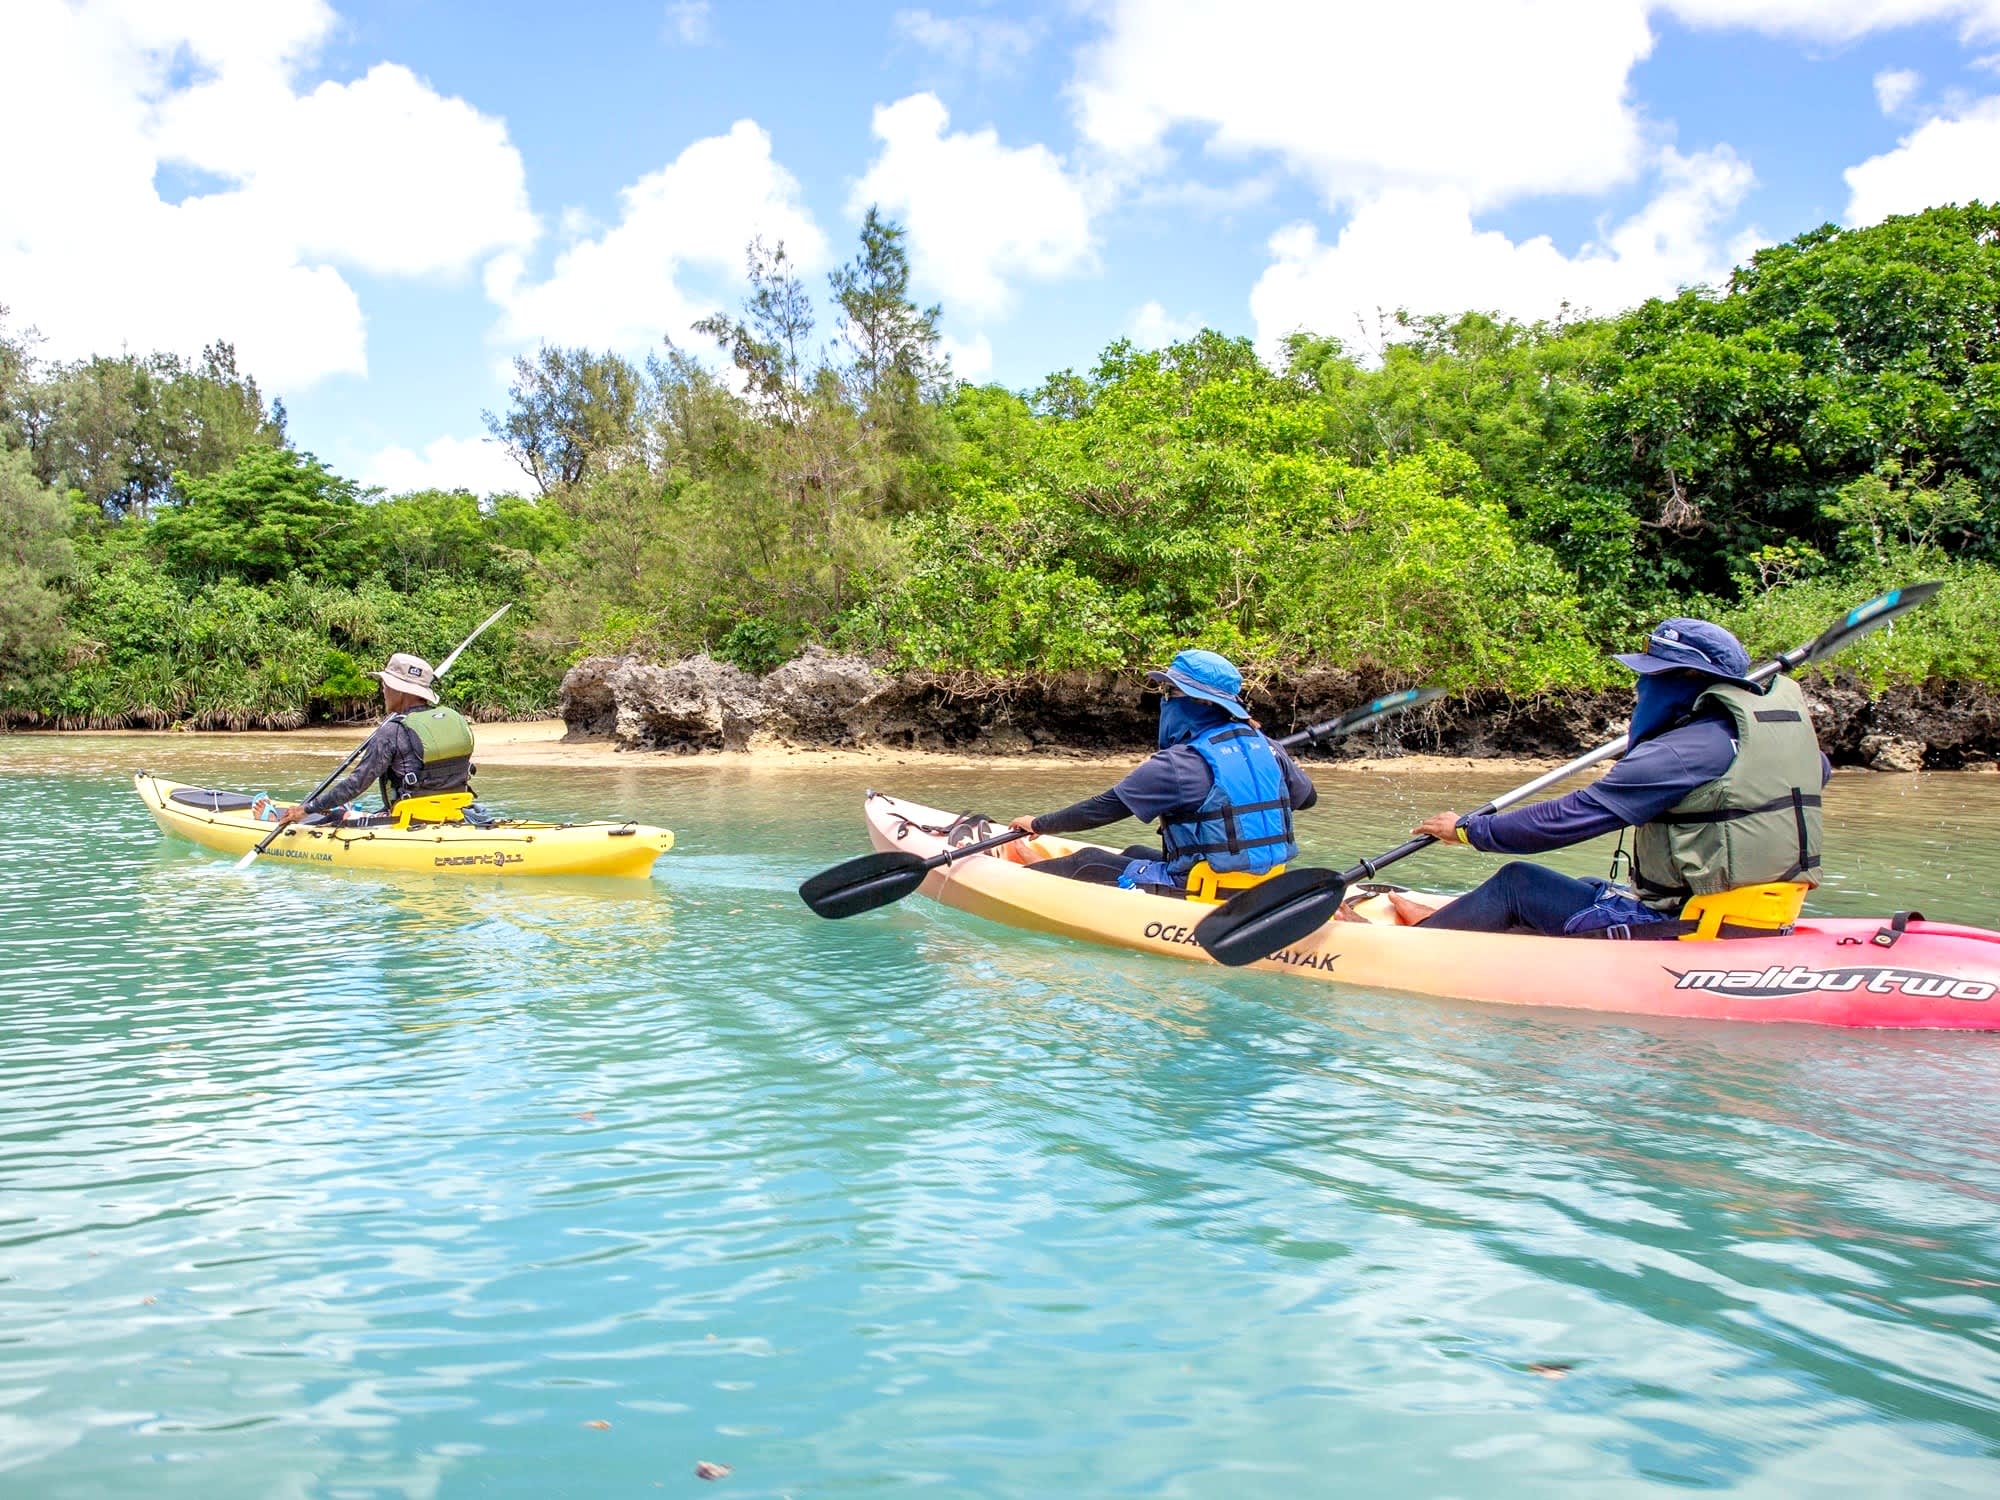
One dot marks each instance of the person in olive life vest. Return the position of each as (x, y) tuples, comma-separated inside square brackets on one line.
[(1219, 789), (420, 749), (1721, 787)]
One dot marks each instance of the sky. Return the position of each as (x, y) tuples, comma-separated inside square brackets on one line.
[(381, 203)]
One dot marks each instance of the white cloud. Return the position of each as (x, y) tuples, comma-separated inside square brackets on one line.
[(1152, 327), (624, 289), (1946, 160), (477, 464), (1836, 20), (1496, 99), (381, 174), (984, 43), (284, 188), (691, 22), (1893, 88), (1418, 249), (1212, 200), (979, 213), (971, 359), (1493, 98)]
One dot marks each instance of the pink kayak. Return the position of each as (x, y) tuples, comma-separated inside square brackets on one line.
[(1832, 971)]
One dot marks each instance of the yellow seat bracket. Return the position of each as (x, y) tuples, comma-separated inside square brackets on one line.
[(1773, 907), (439, 807), (1206, 883)]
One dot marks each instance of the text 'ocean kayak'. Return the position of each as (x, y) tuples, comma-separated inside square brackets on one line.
[(223, 821), (1832, 971)]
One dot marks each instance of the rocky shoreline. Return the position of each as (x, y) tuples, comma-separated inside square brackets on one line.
[(823, 701)]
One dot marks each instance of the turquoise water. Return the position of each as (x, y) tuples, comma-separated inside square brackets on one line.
[(331, 1186)]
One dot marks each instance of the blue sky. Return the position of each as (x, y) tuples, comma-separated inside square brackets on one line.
[(380, 203)]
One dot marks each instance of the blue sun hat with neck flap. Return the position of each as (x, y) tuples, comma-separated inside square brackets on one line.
[(1207, 675), (1683, 645)]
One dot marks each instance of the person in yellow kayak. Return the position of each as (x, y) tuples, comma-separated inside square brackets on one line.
[(420, 749), (1720, 787), (1219, 789)]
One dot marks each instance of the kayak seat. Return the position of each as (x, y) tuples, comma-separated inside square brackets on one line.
[(1773, 907), (208, 801), (1206, 883), (440, 807)]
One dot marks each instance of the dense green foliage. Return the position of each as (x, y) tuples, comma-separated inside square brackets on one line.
[(1490, 503)]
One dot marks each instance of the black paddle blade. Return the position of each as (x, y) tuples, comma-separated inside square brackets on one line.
[(1270, 916), (1865, 617), (863, 884)]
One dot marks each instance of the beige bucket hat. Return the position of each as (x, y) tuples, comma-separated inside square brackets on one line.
[(409, 674)]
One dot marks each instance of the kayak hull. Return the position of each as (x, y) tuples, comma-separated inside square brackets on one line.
[(510, 848), (1828, 971)]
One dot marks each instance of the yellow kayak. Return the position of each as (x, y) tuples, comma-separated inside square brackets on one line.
[(223, 821)]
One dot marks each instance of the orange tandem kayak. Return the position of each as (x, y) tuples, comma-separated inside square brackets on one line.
[(1830, 971)]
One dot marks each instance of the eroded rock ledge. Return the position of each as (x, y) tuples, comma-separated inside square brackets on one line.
[(825, 701)]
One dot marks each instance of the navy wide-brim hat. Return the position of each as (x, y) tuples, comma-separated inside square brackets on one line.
[(1691, 646), (1206, 675)]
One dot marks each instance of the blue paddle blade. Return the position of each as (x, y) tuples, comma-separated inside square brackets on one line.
[(1863, 618)]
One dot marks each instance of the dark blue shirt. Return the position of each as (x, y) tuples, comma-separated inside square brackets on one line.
[(1175, 781), (1650, 779)]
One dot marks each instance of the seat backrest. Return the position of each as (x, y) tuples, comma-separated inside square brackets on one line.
[(1206, 883), (436, 807), (1772, 907)]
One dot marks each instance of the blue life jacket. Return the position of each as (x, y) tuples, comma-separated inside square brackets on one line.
[(1243, 824)]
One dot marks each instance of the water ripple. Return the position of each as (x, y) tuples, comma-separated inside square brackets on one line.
[(330, 1185)]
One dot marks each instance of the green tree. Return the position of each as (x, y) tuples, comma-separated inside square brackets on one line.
[(117, 430), (1731, 421), (769, 344), (35, 553), (894, 343), (16, 364), (571, 414), (272, 513)]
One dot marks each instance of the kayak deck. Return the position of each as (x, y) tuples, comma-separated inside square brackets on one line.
[(1828, 971), (511, 847)]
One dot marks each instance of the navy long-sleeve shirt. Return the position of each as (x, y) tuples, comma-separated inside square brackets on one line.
[(1650, 779), (1174, 781), (393, 748)]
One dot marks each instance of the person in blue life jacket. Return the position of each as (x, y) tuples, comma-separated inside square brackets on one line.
[(421, 749), (1721, 788), (1220, 791)]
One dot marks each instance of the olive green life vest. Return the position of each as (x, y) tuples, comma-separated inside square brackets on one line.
[(447, 742), (1758, 821)]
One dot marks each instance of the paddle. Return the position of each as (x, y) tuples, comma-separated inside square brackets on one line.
[(1287, 907), (340, 770), (874, 880)]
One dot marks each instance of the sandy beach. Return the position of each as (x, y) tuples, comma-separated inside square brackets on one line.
[(541, 742)]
